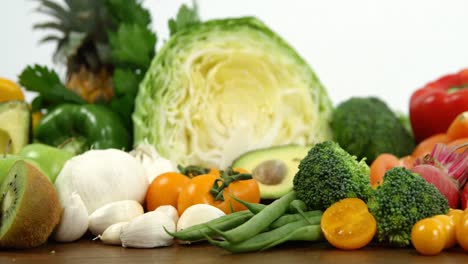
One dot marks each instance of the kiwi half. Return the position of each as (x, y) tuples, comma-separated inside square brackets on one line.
[(29, 207)]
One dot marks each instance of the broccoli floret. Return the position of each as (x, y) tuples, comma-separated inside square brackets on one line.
[(403, 199), (328, 174), (366, 127)]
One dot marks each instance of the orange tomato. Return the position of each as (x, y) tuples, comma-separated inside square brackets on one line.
[(347, 224), (165, 190), (428, 236), (380, 165), (449, 225), (459, 127), (197, 191), (461, 231), (426, 146)]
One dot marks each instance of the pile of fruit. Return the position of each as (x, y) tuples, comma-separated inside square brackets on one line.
[(224, 135)]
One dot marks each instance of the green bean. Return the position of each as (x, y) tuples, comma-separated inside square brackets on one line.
[(313, 216), (258, 222), (305, 233), (226, 222), (266, 239), (297, 206), (255, 208)]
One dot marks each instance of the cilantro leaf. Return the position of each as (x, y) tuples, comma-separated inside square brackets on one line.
[(47, 83), (132, 45), (186, 17), (126, 81), (128, 12)]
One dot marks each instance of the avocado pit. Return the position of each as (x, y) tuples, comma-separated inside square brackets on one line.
[(270, 172)]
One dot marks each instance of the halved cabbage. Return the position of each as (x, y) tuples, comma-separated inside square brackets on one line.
[(224, 87)]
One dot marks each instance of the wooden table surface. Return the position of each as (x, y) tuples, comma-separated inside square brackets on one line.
[(87, 251)]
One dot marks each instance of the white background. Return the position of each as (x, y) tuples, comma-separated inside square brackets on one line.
[(357, 48)]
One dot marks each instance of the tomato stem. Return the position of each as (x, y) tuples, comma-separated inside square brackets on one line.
[(192, 170), (227, 177)]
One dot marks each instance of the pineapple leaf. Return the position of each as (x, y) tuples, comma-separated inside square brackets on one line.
[(50, 38), (54, 9), (51, 25), (47, 83), (133, 46), (186, 17)]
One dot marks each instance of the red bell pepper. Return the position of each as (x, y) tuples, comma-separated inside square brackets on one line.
[(434, 106)]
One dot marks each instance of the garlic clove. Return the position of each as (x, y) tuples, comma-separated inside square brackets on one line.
[(111, 236), (147, 231), (74, 221), (112, 213), (170, 211), (198, 214)]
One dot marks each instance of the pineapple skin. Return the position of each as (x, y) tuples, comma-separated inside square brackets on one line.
[(91, 86)]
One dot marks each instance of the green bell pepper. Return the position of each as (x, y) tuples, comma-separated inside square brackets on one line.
[(94, 126)]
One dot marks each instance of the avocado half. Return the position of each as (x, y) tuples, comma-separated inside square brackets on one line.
[(282, 160), (14, 124)]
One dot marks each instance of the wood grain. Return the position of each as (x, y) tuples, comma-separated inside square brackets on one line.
[(87, 251)]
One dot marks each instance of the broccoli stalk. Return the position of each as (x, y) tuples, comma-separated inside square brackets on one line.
[(328, 174), (403, 199)]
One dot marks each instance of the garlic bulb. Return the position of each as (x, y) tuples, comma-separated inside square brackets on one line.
[(74, 221), (147, 231), (170, 211), (101, 177), (112, 213), (151, 161), (198, 214), (111, 235)]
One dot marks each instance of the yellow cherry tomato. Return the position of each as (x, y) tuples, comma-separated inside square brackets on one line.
[(461, 231), (10, 91), (455, 214), (449, 226), (428, 236), (347, 224)]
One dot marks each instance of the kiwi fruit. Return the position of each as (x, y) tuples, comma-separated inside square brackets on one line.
[(29, 206)]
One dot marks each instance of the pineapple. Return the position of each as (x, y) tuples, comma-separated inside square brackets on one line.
[(80, 31)]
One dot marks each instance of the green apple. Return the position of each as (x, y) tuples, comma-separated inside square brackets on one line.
[(50, 159)]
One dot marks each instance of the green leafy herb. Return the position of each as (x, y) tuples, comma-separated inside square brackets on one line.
[(126, 81), (186, 17), (132, 45), (47, 83), (128, 12)]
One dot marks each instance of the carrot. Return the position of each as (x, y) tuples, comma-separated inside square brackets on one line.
[(381, 164), (459, 127), (426, 146), (459, 142), (407, 161)]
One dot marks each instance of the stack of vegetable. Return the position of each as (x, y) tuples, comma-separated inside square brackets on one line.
[(218, 96), (106, 46)]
